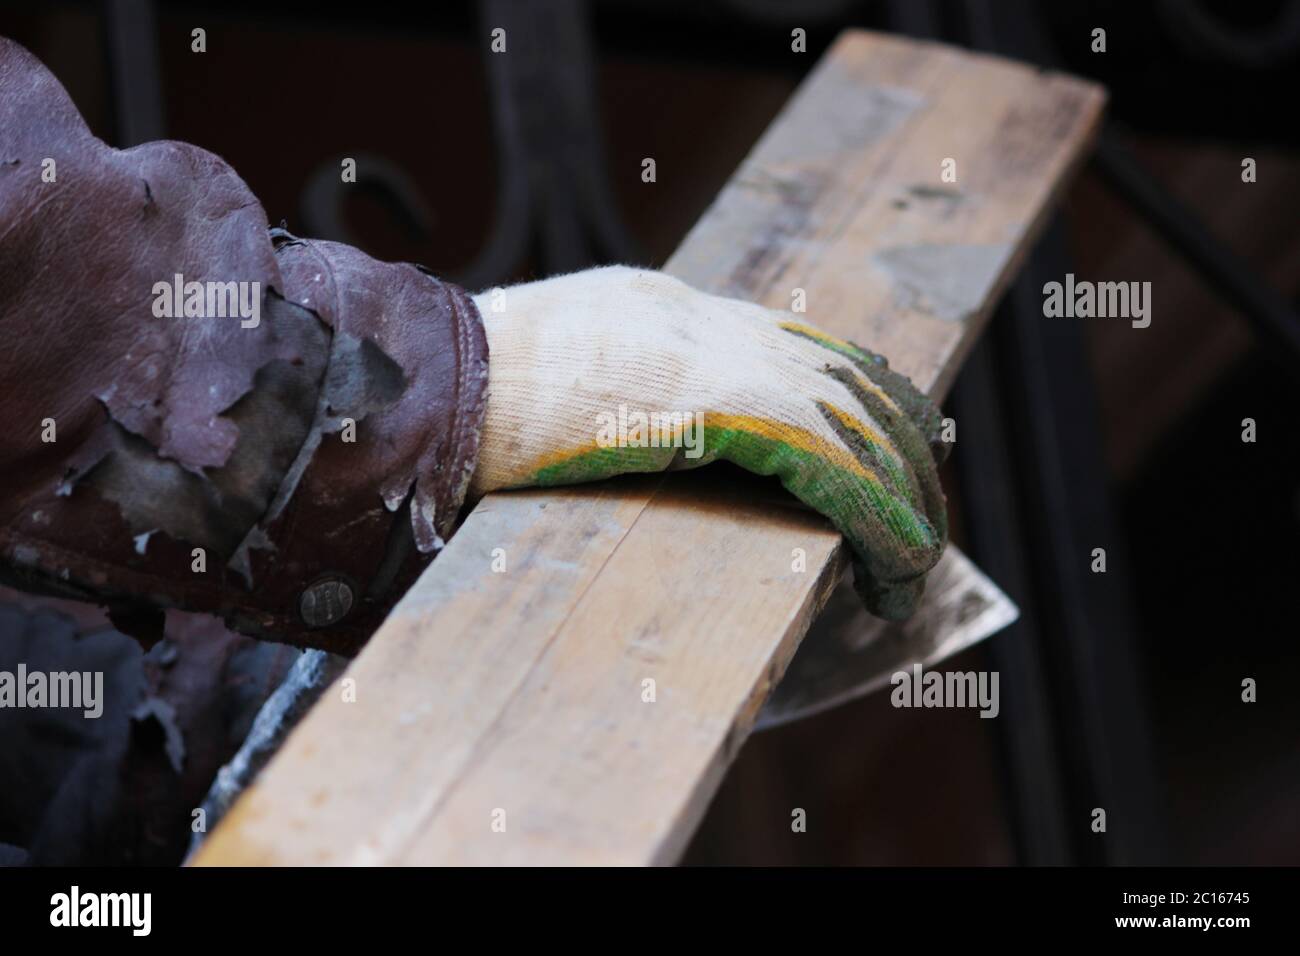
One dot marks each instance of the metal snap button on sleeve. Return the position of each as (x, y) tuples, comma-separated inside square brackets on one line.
[(325, 601)]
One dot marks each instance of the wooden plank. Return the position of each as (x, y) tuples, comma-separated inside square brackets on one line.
[(516, 696)]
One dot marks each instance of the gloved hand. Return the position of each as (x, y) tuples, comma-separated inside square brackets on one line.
[(618, 370)]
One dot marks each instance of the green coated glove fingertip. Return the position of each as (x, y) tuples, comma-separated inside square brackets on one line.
[(893, 601)]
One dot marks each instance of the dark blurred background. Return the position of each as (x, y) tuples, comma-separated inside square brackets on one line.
[(1122, 690)]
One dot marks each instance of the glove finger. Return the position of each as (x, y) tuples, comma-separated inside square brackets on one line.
[(893, 541), (909, 418)]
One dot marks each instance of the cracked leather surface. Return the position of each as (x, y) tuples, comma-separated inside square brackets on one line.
[(332, 440)]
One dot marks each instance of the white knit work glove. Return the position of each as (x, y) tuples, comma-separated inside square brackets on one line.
[(618, 370)]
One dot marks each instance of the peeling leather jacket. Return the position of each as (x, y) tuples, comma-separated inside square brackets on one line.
[(291, 470)]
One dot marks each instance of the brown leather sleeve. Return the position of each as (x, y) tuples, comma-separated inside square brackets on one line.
[(288, 460)]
